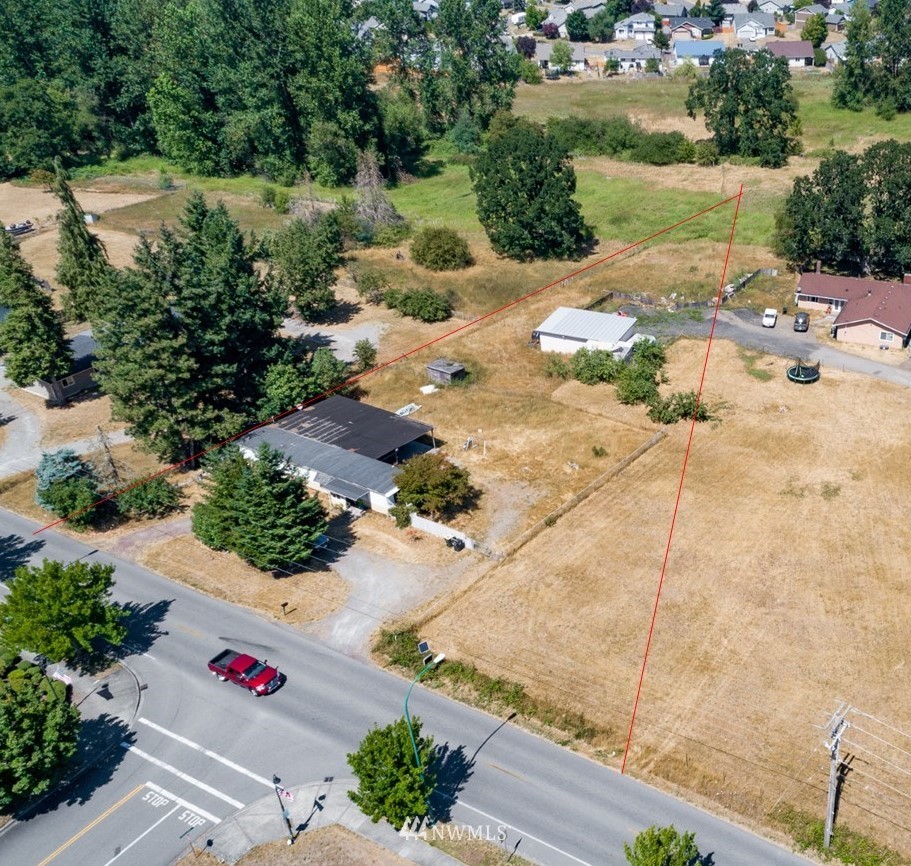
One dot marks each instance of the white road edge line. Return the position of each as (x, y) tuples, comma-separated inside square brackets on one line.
[(142, 835), (209, 754), (181, 775), (185, 803), (523, 833)]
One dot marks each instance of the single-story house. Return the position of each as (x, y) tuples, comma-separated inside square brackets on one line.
[(543, 51), (589, 7), (633, 59), (690, 28), (557, 17), (427, 10), (870, 312), (367, 29), (731, 11), (566, 330), (81, 376), (774, 7), (754, 25), (835, 52), (798, 54), (697, 53), (666, 11), (345, 449), (801, 15), (640, 27), (835, 21)]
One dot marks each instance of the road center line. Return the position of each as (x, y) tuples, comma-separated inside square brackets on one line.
[(208, 753), (91, 824), (499, 821), (181, 775), (185, 803), (143, 834)]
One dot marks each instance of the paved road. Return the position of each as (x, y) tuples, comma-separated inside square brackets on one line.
[(201, 749), (743, 327)]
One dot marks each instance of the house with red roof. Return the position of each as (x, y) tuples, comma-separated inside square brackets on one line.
[(869, 312)]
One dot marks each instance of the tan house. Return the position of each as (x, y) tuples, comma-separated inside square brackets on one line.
[(870, 312)]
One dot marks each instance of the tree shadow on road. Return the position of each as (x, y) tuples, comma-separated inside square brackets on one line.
[(452, 769), (99, 755), (142, 624), (15, 551)]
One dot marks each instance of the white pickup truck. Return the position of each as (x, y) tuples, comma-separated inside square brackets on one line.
[(769, 318)]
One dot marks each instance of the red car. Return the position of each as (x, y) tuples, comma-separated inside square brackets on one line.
[(255, 676)]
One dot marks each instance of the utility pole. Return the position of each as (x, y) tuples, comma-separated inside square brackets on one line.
[(841, 724)]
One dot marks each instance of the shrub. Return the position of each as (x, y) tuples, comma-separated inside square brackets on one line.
[(402, 514), (42, 177), (153, 498), (526, 45), (165, 181), (365, 354), (432, 484), (678, 407), (530, 72), (282, 201), (591, 366), (370, 284), (391, 236), (440, 249), (267, 196), (636, 384), (557, 367), (465, 134), (611, 137), (425, 305), (706, 153), (819, 57), (599, 451), (550, 31), (333, 156), (659, 148)]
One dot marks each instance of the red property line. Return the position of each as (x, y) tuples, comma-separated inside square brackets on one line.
[(395, 360), (686, 457)]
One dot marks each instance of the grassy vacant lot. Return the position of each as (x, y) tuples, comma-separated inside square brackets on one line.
[(784, 590)]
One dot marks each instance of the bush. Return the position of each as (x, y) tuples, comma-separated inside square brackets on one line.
[(365, 354), (526, 46), (819, 57), (440, 249), (550, 31), (611, 137), (591, 366), (706, 153), (402, 515), (267, 196), (557, 367), (530, 72), (660, 148), (425, 305), (636, 384), (680, 406), (370, 284), (153, 498), (391, 236), (333, 157)]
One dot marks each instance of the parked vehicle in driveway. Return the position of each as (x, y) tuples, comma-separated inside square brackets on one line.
[(255, 676), (802, 322), (769, 318)]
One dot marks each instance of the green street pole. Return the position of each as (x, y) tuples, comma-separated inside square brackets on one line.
[(414, 745)]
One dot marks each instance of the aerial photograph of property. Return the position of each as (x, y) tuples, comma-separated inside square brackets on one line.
[(455, 432)]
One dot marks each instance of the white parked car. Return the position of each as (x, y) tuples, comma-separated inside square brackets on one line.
[(769, 318)]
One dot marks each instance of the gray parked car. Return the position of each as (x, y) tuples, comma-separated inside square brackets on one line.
[(802, 322)]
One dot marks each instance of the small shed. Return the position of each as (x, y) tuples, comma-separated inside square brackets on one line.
[(444, 371)]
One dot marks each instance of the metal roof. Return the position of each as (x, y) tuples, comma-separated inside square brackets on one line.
[(443, 365), (337, 463), (587, 325), (353, 426), (695, 48)]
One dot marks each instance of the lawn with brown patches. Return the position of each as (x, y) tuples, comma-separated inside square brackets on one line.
[(784, 590), (79, 419)]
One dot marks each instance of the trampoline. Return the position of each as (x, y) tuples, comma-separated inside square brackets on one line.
[(803, 374)]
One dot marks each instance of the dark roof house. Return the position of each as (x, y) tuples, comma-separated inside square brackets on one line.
[(81, 376)]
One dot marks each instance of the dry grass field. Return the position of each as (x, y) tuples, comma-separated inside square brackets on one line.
[(785, 590)]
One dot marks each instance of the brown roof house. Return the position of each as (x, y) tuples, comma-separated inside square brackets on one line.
[(870, 312), (798, 54)]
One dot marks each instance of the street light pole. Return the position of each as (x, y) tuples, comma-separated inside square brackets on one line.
[(431, 664), (285, 813)]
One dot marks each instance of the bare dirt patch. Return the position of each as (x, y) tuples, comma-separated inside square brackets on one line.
[(18, 203), (77, 420), (326, 846), (310, 595), (40, 250), (785, 590)]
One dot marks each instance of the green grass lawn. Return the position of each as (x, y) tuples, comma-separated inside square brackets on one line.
[(823, 125)]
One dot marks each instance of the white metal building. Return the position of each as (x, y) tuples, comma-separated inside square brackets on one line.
[(567, 330)]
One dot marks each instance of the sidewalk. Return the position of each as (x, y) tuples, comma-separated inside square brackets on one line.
[(319, 804)]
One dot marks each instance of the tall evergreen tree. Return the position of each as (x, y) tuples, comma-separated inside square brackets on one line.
[(31, 335), (83, 268), (279, 522), (216, 519), (893, 73), (188, 334), (854, 78)]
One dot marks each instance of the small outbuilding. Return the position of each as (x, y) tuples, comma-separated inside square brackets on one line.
[(445, 372)]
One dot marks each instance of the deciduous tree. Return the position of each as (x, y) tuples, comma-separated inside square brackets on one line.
[(434, 485), (524, 182), (38, 736), (749, 105), (390, 784), (561, 57), (59, 610), (577, 26), (815, 30)]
